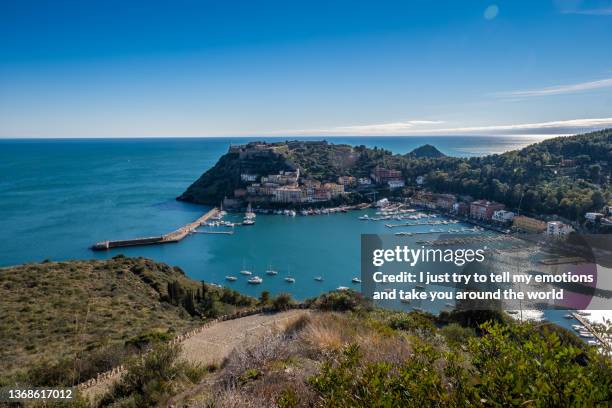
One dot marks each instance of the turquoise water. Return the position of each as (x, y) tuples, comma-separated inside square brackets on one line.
[(57, 197)]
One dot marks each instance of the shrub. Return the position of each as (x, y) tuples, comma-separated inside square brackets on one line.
[(341, 301), (153, 378), (414, 383), (517, 364), (457, 335), (282, 302), (412, 321)]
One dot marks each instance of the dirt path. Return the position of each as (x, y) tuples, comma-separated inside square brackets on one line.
[(215, 343)]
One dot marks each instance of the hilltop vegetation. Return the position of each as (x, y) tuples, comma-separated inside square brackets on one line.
[(63, 322), (351, 355), (566, 176)]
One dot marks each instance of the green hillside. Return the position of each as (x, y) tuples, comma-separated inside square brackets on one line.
[(63, 322)]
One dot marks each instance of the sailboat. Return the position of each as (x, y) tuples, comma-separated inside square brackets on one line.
[(245, 271), (222, 212), (255, 280), (249, 212), (249, 216), (271, 271), (288, 278)]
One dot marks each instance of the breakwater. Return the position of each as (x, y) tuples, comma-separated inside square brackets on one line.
[(174, 236)]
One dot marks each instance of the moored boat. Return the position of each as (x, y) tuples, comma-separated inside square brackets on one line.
[(255, 280)]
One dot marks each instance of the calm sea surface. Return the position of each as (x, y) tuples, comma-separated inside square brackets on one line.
[(57, 197)]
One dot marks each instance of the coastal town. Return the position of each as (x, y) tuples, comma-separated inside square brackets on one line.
[(297, 191)]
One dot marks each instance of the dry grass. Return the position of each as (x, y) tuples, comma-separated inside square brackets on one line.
[(276, 371), (73, 310)]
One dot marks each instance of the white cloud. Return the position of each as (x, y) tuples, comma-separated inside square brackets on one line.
[(559, 127), (392, 128), (429, 127), (557, 90)]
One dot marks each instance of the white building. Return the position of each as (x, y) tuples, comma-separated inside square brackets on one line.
[(503, 216), (248, 177), (593, 216), (395, 183), (382, 203), (420, 180), (557, 229)]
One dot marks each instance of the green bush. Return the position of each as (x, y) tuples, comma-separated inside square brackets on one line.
[(153, 378), (342, 301), (518, 364), (457, 335), (282, 302)]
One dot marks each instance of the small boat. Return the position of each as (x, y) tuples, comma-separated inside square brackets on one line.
[(318, 279), (449, 305), (342, 288), (364, 217), (288, 278), (586, 334), (292, 213), (248, 221), (249, 213), (231, 278), (356, 280), (255, 280), (578, 327), (271, 271), (512, 312), (568, 316), (245, 271), (420, 287), (593, 343)]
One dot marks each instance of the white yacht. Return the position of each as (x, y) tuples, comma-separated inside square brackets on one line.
[(342, 288), (255, 280), (288, 278), (318, 278), (356, 280), (231, 278), (249, 213), (248, 221), (245, 271), (271, 271)]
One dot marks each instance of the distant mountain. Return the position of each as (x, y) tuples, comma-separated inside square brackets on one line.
[(427, 150)]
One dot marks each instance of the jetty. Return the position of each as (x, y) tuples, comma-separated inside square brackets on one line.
[(416, 224), (174, 236), (590, 329)]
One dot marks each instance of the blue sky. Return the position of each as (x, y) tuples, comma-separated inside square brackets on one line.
[(222, 68)]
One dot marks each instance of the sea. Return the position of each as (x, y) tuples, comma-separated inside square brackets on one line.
[(60, 196)]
